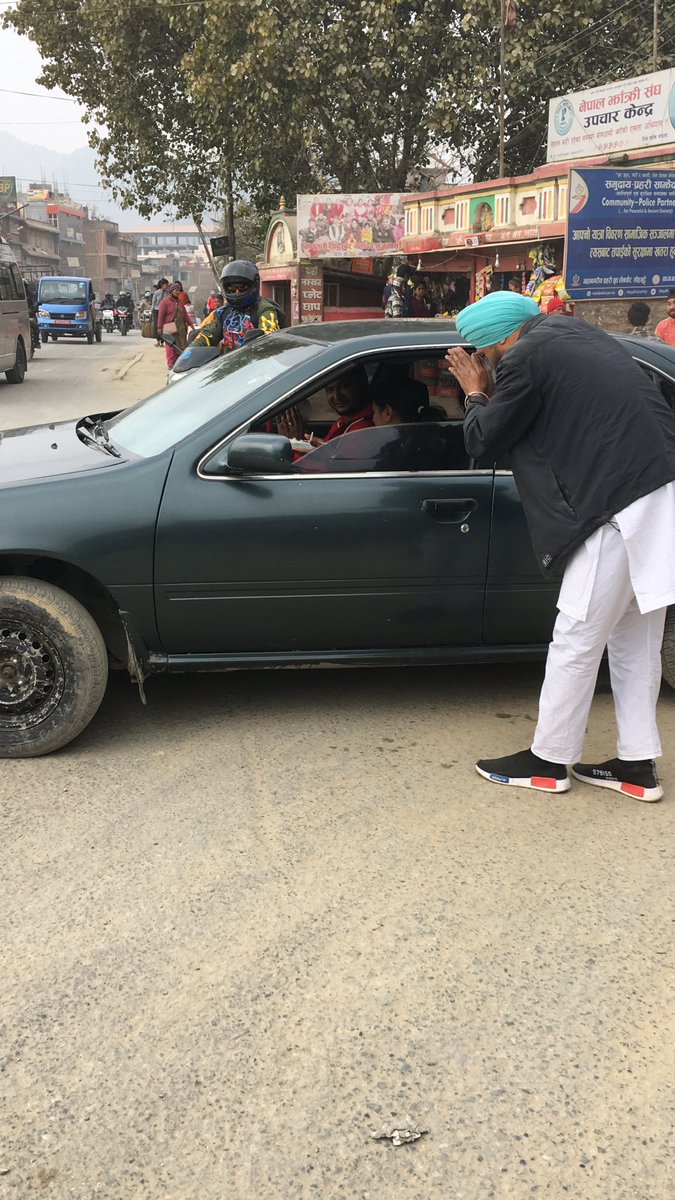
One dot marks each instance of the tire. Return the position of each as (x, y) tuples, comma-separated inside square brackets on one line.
[(98, 333), (55, 337), (45, 338), (17, 373), (123, 329), (90, 338), (53, 667), (668, 649)]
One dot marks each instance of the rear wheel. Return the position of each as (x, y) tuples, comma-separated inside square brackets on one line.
[(53, 668), (668, 649), (17, 373)]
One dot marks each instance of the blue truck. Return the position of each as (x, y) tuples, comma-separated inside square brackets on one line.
[(66, 308)]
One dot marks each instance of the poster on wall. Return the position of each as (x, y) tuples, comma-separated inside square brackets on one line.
[(630, 115), (364, 225), (620, 234), (482, 214)]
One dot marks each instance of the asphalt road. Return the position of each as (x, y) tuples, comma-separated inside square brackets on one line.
[(243, 926)]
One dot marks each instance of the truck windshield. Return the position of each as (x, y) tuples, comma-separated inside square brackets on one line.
[(63, 291), (164, 419)]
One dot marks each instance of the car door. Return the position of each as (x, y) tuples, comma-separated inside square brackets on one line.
[(380, 544)]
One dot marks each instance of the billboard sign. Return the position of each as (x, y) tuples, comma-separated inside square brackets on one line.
[(364, 225), (631, 115), (7, 189), (620, 234)]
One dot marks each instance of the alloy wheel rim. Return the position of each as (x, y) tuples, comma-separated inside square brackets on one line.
[(32, 676)]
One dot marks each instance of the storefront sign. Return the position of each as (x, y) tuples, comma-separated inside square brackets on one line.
[(311, 293), (620, 234), (365, 225), (529, 233), (633, 114), (7, 189)]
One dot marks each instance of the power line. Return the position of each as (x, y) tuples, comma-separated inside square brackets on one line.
[(38, 95)]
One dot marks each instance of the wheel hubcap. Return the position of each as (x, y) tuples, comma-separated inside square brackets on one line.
[(31, 676)]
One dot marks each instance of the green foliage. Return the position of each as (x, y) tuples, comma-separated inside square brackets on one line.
[(191, 104)]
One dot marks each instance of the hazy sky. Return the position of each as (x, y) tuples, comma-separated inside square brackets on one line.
[(47, 120)]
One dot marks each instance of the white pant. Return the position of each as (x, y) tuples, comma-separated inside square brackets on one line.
[(633, 643)]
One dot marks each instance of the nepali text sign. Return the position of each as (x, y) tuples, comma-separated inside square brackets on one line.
[(365, 225), (311, 293), (634, 114), (620, 234)]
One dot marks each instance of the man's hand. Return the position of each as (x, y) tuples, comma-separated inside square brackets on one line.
[(470, 370), (291, 425)]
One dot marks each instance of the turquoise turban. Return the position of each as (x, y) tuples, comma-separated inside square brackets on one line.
[(493, 318)]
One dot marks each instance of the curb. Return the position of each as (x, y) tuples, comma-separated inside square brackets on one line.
[(119, 374)]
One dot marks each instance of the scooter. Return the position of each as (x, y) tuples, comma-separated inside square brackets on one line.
[(35, 339), (108, 319)]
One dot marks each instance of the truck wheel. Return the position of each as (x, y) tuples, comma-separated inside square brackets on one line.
[(53, 667), (668, 649), (17, 373)]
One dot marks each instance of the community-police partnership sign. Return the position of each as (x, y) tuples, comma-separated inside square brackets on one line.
[(620, 234), (617, 116)]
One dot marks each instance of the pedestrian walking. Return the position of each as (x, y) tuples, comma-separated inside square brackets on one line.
[(174, 319), (592, 447), (158, 295)]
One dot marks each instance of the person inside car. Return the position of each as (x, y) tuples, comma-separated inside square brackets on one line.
[(403, 401), (348, 397), (244, 309)]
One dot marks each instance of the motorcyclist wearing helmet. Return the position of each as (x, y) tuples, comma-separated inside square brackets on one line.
[(244, 309)]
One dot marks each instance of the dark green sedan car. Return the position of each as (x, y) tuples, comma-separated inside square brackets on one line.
[(186, 533)]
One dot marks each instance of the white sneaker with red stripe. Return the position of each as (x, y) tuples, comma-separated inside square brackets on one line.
[(636, 779), (526, 770)]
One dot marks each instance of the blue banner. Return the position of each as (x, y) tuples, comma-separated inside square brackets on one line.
[(620, 234)]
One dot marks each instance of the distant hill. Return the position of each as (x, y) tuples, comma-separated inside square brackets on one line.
[(74, 173)]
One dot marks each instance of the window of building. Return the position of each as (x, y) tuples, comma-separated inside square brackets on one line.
[(332, 295)]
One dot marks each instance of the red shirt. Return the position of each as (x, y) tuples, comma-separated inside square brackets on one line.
[(351, 422), (666, 331)]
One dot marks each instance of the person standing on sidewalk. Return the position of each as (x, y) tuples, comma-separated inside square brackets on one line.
[(158, 295), (592, 445), (174, 319)]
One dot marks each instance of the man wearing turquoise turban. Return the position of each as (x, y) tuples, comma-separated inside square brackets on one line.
[(592, 448)]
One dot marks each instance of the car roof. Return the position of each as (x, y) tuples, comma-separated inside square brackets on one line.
[(396, 332)]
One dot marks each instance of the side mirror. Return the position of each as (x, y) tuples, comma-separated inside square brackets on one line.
[(253, 454)]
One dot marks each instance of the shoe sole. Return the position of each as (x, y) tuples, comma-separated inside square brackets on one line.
[(536, 783), (648, 795)]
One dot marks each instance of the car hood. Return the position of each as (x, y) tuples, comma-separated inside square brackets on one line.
[(48, 451)]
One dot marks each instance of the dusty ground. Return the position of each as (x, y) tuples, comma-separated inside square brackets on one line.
[(243, 926)]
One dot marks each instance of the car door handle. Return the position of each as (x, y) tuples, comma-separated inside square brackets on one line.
[(450, 510)]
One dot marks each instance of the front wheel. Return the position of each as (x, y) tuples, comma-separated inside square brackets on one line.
[(90, 337), (668, 649), (98, 333), (123, 329), (53, 667), (55, 337), (17, 373), (45, 338)]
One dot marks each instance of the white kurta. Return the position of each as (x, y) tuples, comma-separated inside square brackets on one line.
[(614, 594)]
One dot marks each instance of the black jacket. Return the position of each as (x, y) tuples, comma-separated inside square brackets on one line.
[(587, 430)]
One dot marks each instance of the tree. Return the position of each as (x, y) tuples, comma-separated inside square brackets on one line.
[(197, 106)]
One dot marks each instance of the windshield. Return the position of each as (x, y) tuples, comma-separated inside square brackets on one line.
[(63, 291), (179, 409)]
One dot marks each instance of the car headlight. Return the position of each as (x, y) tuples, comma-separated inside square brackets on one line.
[(79, 316), (42, 312)]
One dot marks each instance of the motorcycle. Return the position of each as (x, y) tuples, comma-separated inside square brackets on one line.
[(108, 319), (123, 319), (35, 339)]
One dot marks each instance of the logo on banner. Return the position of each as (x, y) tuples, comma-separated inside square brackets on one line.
[(563, 118)]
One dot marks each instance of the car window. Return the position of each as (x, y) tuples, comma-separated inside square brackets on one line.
[(7, 288), (666, 386), (164, 419), (428, 446)]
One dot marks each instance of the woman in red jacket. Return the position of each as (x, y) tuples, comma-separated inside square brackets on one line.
[(174, 319)]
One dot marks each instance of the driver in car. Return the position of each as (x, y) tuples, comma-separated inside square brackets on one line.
[(348, 397)]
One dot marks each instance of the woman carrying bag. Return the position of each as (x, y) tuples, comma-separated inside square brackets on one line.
[(174, 319)]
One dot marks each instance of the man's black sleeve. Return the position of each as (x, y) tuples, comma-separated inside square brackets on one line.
[(490, 430)]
